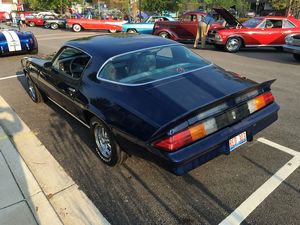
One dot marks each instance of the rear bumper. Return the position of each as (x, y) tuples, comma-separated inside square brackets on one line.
[(190, 157)]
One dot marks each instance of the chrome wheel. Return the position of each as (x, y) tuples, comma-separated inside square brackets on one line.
[(112, 31), (164, 35), (76, 27), (31, 89), (131, 31), (233, 44), (54, 26), (103, 142)]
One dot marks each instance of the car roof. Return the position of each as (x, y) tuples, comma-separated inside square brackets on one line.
[(107, 46)]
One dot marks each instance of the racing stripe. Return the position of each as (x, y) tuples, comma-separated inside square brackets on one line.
[(9, 40), (16, 39)]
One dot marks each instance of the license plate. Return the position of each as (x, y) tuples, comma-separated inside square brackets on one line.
[(237, 141)]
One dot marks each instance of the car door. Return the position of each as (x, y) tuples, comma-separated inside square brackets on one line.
[(63, 78), (187, 28)]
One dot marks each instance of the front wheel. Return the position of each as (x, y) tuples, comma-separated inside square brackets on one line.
[(106, 146), (164, 35), (112, 31), (233, 44), (297, 57), (54, 26), (76, 27), (33, 91)]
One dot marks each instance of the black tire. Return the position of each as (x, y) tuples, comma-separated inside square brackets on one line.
[(131, 31), (54, 26), (164, 35), (233, 44), (108, 149), (31, 24), (297, 57), (219, 47), (33, 91), (76, 28)]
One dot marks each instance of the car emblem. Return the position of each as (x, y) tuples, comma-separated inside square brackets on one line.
[(233, 114)]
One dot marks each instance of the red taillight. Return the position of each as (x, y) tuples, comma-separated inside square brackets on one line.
[(260, 101), (187, 136)]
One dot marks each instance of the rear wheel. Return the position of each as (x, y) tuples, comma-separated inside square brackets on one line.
[(33, 91), (76, 27), (297, 57), (112, 31), (31, 24), (131, 31), (233, 44), (164, 35), (104, 141), (54, 26)]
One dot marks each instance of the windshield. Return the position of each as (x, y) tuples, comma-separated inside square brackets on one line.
[(254, 22), (150, 65)]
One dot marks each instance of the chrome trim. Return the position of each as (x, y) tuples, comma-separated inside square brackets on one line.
[(263, 45), (79, 120), (134, 85), (119, 83)]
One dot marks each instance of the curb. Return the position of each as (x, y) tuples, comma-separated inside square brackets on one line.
[(70, 204)]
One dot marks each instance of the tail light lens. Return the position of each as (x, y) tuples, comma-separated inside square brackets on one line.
[(260, 102), (209, 126), (187, 136)]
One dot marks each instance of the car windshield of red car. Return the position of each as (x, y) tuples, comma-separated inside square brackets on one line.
[(149, 65), (254, 22)]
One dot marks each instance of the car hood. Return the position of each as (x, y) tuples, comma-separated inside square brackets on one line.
[(172, 98), (228, 17)]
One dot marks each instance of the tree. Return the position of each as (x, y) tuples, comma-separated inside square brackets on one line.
[(291, 5)]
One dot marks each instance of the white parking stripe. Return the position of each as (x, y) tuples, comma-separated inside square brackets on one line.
[(13, 76), (241, 213), (280, 147)]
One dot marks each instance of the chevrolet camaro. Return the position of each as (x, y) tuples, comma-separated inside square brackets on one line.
[(151, 97)]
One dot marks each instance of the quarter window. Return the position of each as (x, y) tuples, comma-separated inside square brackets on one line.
[(287, 24), (71, 62)]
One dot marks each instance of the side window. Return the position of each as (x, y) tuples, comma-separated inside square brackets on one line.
[(71, 62), (277, 23), (187, 18), (287, 24)]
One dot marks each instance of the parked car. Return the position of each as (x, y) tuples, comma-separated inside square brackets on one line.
[(38, 21), (293, 45), (95, 24), (4, 16), (145, 27), (55, 23), (183, 30), (151, 97), (16, 42), (256, 32)]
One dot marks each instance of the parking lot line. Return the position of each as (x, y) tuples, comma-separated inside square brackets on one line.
[(254, 200), (13, 76), (279, 147)]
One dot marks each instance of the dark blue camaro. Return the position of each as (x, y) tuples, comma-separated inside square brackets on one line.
[(152, 97)]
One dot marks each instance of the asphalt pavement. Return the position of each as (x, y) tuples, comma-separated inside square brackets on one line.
[(260, 179)]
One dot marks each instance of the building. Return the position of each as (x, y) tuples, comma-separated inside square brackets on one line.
[(10, 5)]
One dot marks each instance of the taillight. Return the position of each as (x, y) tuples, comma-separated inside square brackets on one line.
[(187, 136), (260, 102)]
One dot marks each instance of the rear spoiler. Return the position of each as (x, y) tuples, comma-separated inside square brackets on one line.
[(181, 122)]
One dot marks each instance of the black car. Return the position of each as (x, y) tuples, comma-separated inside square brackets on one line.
[(151, 97), (55, 23), (293, 45)]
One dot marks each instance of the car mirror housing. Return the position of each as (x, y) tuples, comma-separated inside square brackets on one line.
[(47, 65)]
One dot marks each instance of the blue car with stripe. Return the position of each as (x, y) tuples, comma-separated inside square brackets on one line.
[(145, 27), (17, 42)]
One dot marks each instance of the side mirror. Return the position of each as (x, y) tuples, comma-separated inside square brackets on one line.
[(47, 65)]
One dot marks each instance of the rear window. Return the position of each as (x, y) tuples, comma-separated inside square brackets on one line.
[(150, 65)]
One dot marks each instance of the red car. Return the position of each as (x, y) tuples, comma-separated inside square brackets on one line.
[(37, 21), (95, 24), (184, 29), (256, 32), (4, 16)]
